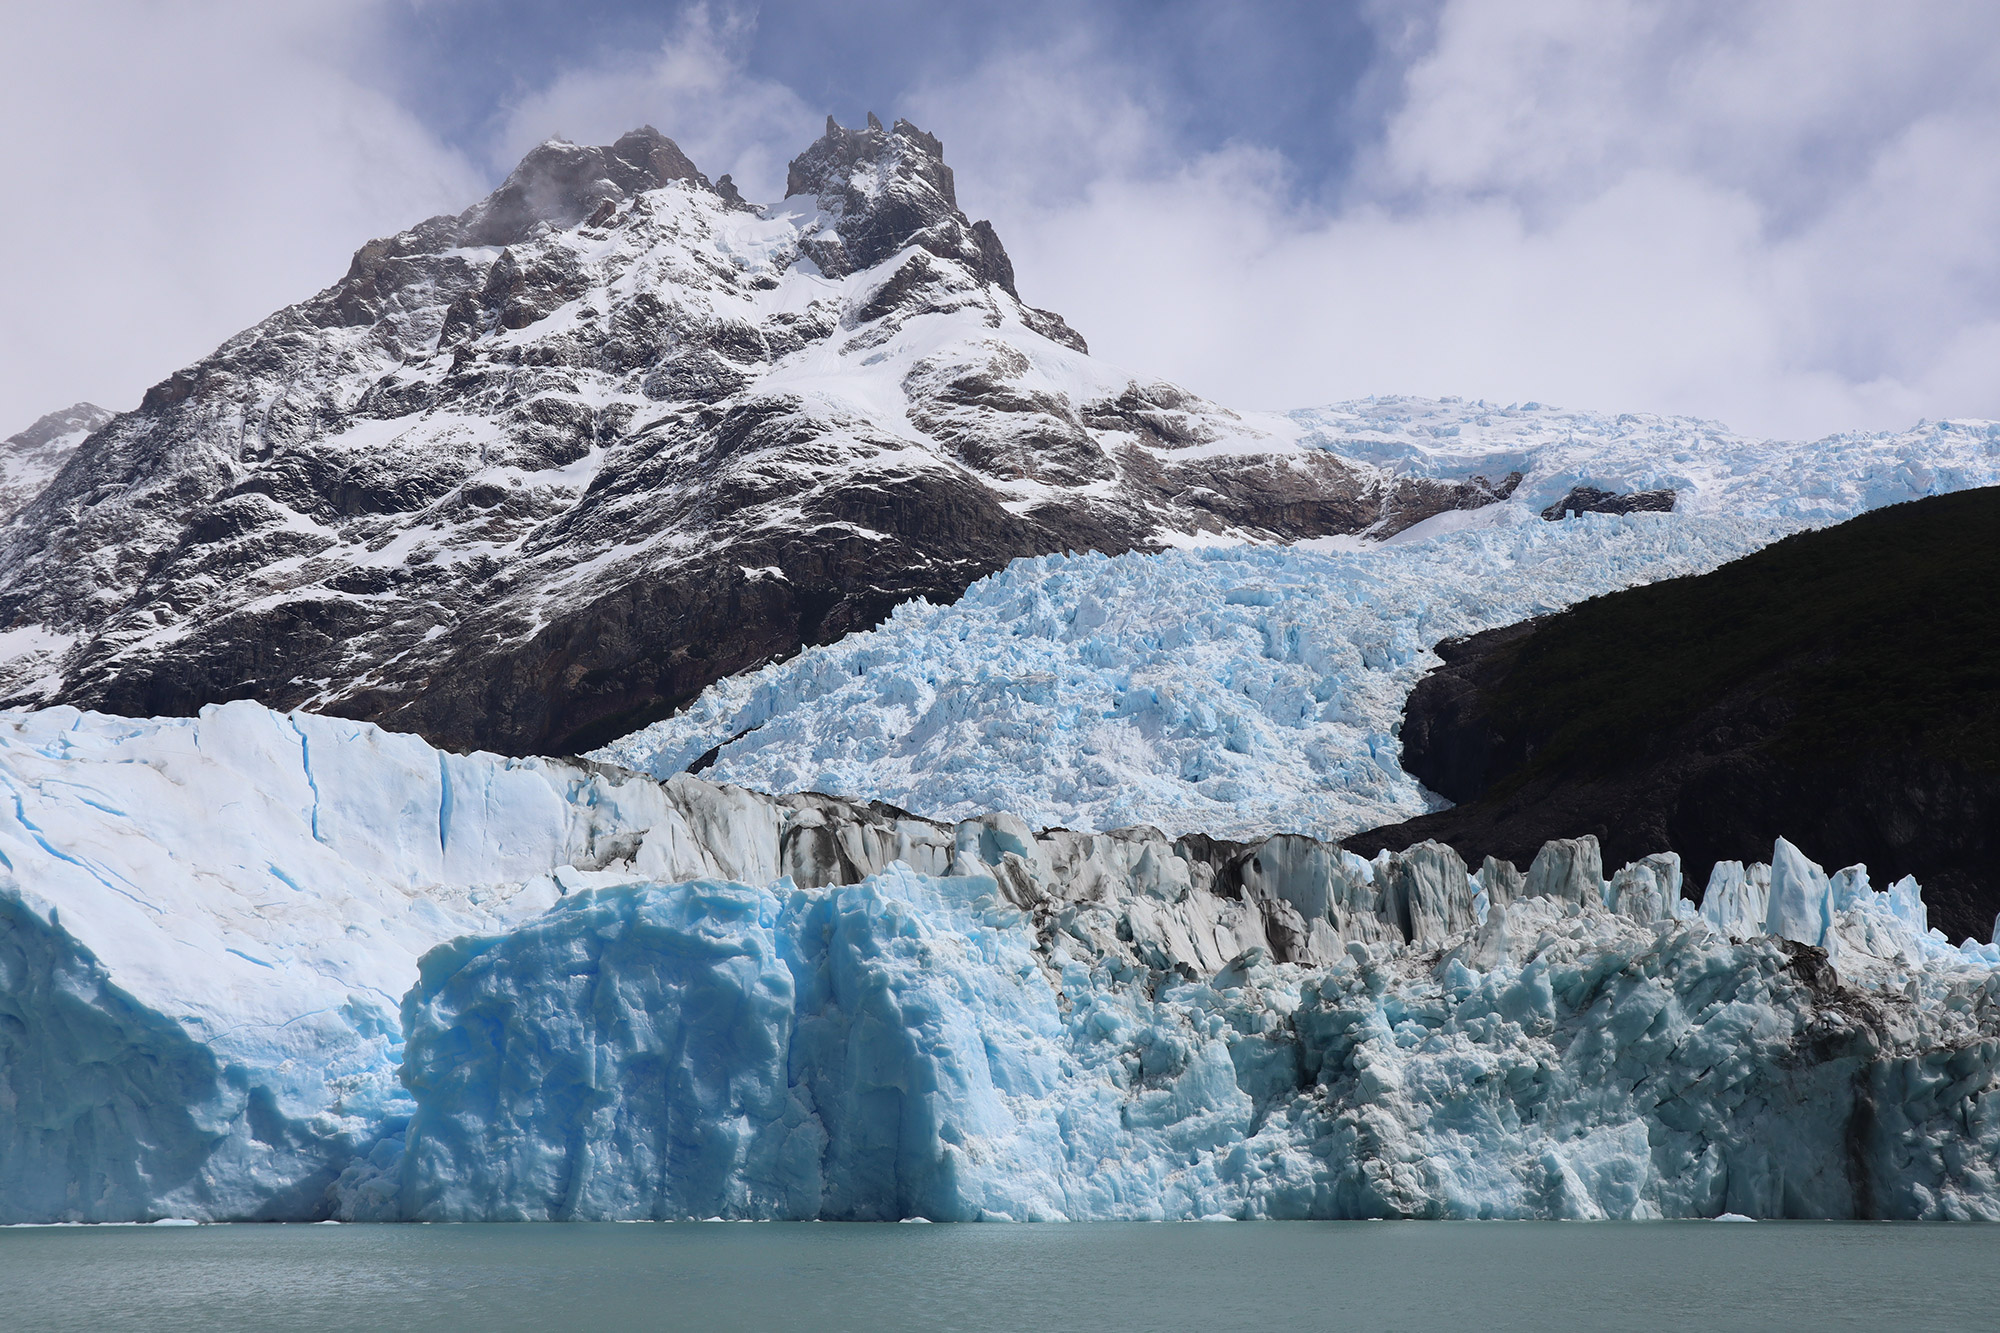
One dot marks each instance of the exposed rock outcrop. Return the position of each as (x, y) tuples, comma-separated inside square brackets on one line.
[(1591, 500)]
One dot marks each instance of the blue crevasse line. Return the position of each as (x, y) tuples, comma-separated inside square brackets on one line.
[(98, 805), (250, 959), (21, 815), (444, 803), (305, 762)]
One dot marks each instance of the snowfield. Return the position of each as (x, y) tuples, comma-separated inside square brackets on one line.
[(1712, 469)]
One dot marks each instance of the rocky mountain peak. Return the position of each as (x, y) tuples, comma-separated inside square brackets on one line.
[(30, 457), (562, 183), (882, 190), (845, 161), (77, 420), (535, 475)]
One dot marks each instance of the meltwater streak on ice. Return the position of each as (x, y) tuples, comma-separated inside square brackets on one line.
[(270, 966), (1109, 1278)]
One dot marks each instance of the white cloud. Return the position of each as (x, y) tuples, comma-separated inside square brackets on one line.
[(177, 172), (693, 89), (1775, 212), (1778, 214)]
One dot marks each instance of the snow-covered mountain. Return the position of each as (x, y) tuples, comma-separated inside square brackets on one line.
[(269, 966), (614, 440), (29, 459), (545, 470)]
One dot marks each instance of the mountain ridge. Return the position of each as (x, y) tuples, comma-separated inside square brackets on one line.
[(527, 477)]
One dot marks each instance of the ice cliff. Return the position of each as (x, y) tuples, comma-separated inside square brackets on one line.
[(282, 966)]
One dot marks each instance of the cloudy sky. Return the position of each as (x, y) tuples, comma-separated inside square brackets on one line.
[(1781, 213)]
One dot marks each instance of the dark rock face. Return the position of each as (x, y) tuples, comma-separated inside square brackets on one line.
[(1591, 500), (534, 475), (881, 190), (1841, 688)]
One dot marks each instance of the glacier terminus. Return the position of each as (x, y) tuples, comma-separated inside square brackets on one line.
[(271, 966)]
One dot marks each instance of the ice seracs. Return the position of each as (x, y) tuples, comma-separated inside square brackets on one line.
[(1236, 691), (284, 966)]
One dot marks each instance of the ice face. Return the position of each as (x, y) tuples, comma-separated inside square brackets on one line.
[(915, 1046), (279, 966), (1801, 903)]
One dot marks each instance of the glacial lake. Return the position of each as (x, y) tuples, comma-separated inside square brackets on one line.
[(1102, 1277)]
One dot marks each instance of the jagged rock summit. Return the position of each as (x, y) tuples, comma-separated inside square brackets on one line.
[(531, 476), (30, 457)]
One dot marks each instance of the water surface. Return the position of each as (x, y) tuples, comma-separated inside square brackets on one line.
[(1103, 1277)]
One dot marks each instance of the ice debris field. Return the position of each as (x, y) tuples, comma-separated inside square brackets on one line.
[(282, 966)]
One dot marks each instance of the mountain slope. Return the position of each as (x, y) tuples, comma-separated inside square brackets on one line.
[(534, 475), (1843, 683)]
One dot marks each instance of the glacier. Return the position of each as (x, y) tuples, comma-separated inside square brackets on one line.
[(1233, 690), (282, 966), (1712, 470), (1240, 690)]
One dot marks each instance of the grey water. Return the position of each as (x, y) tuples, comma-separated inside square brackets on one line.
[(1104, 1277)]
